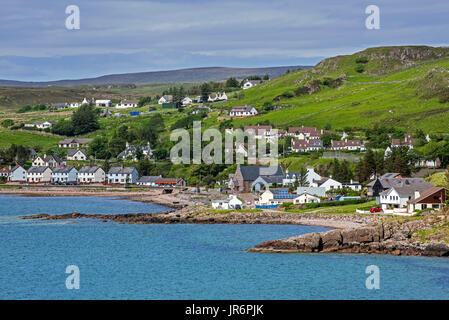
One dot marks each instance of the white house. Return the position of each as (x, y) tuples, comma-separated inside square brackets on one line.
[(231, 203), (327, 184), (148, 181), (306, 198), (103, 103), (267, 199), (126, 104), (91, 174), (39, 174), (186, 101), (43, 124), (353, 185), (47, 161), (77, 154), (251, 83), (122, 175), (130, 152), (246, 111), (64, 174), (398, 195), (164, 99), (18, 174)]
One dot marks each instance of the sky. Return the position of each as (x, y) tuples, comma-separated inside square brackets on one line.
[(123, 36)]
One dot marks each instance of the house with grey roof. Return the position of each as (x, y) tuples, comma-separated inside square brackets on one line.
[(244, 177), (39, 174), (243, 111), (122, 175), (48, 161), (18, 174), (91, 174), (77, 155), (73, 143), (400, 193), (64, 174), (148, 180), (166, 98)]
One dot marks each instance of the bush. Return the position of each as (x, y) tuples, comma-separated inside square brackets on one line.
[(360, 68), (361, 60), (7, 123)]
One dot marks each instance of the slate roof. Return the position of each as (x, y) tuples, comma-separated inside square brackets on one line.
[(89, 169), (37, 169), (426, 194), (148, 179), (408, 189), (251, 173), (242, 109), (120, 170), (63, 169), (72, 152)]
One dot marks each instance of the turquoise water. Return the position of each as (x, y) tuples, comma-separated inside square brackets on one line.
[(119, 261)]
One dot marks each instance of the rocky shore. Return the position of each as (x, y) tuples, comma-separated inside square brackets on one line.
[(200, 215), (418, 236)]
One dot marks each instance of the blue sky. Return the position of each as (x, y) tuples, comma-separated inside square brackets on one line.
[(120, 36)]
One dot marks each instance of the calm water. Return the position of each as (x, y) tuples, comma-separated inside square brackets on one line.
[(185, 261)]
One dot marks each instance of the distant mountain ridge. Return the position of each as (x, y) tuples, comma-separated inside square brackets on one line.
[(181, 75)]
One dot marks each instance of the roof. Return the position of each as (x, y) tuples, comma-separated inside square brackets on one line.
[(242, 108), (346, 143), (303, 129), (63, 169), (316, 191), (89, 169), (258, 129), (75, 140), (38, 169), (167, 180), (251, 173), (254, 82), (427, 193), (300, 144), (72, 152), (5, 170), (129, 102), (122, 170), (408, 189), (149, 179)]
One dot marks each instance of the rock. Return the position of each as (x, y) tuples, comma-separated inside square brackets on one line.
[(359, 235), (309, 242), (437, 249), (331, 239)]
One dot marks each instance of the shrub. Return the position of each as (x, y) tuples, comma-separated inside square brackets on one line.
[(334, 203), (7, 123), (361, 60), (360, 68)]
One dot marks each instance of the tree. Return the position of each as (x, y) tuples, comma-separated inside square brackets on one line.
[(106, 166), (266, 77), (85, 120), (205, 91), (63, 127), (232, 83), (98, 148), (401, 160), (302, 177), (144, 167)]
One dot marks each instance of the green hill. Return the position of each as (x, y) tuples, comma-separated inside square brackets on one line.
[(402, 86)]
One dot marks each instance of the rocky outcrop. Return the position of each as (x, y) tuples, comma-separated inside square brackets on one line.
[(396, 238)]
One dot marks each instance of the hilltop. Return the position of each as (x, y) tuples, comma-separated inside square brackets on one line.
[(400, 86), (171, 76)]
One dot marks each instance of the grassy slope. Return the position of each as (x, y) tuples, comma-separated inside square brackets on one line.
[(392, 98)]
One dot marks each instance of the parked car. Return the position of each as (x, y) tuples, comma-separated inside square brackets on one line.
[(376, 209), (238, 207)]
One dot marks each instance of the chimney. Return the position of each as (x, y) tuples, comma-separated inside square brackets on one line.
[(417, 194)]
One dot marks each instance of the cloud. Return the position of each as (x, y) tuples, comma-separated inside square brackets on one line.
[(189, 33)]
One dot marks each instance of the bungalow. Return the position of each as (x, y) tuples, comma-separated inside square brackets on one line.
[(169, 182), (306, 198), (432, 198), (353, 185), (314, 191), (148, 180), (18, 174), (58, 105), (73, 143), (122, 175), (126, 104), (39, 174), (165, 99), (231, 203), (251, 83), (103, 103), (91, 174), (64, 174), (246, 111), (47, 161), (43, 124), (77, 154), (130, 152)]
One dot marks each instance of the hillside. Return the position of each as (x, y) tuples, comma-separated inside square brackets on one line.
[(401, 86), (171, 76)]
